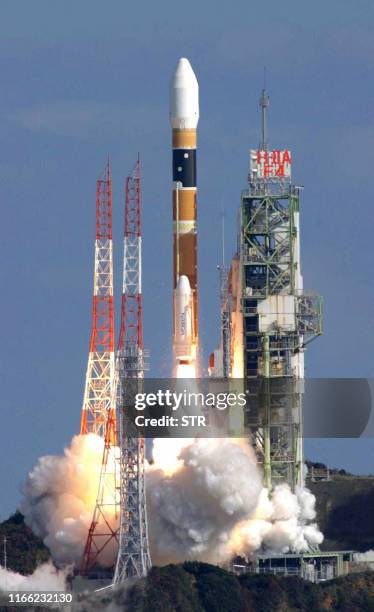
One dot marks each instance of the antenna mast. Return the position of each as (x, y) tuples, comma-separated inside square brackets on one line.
[(264, 104)]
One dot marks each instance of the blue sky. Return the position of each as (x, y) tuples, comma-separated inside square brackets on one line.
[(83, 79)]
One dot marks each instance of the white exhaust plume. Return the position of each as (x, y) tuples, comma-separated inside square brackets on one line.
[(59, 498), (366, 557), (45, 578), (279, 525), (206, 501), (192, 510)]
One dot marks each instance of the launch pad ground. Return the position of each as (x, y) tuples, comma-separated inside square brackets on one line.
[(312, 566)]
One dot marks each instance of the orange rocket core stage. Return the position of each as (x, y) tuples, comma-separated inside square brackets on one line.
[(185, 215)]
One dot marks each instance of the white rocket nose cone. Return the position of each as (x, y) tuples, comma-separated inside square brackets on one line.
[(184, 76), (184, 97), (183, 285)]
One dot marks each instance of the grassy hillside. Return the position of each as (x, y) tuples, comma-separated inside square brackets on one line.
[(345, 512)]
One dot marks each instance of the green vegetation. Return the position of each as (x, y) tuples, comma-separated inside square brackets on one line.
[(199, 587), (171, 590), (24, 550), (214, 587)]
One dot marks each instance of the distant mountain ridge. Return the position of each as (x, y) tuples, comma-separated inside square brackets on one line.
[(345, 512)]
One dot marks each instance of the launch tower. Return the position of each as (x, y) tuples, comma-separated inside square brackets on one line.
[(272, 317), (98, 394), (133, 553), (99, 405)]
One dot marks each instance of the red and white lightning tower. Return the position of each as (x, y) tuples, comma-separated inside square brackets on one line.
[(98, 394), (99, 413), (133, 553)]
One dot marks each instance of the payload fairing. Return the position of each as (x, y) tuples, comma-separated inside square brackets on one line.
[(184, 117)]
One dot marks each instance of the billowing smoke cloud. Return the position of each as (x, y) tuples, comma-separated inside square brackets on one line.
[(45, 577), (280, 524), (193, 510), (59, 498), (206, 501)]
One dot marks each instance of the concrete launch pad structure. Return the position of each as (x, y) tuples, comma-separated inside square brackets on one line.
[(312, 566)]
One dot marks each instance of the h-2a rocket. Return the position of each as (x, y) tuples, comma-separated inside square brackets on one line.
[(184, 117)]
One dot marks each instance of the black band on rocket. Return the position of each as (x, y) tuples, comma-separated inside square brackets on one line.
[(184, 166)]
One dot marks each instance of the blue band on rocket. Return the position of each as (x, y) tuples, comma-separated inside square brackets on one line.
[(184, 167)]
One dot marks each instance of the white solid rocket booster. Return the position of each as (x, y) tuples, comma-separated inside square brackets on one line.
[(184, 349)]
